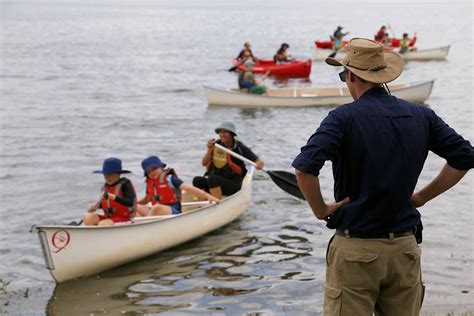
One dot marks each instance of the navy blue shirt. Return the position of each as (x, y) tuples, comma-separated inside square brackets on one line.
[(378, 145)]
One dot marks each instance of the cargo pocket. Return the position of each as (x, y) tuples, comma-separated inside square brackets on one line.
[(412, 267), (332, 301), (363, 258), (358, 270)]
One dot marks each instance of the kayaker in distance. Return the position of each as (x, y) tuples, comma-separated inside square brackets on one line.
[(405, 44), (117, 199), (248, 83), (224, 173), (380, 33), (281, 55), (338, 34), (163, 190), (246, 53)]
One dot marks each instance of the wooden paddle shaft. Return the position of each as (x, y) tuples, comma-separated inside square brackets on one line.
[(236, 155)]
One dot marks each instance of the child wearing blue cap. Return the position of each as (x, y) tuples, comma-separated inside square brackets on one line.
[(163, 190), (117, 199)]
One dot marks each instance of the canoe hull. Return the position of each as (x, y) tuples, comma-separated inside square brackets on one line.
[(296, 69), (417, 92), (75, 251), (439, 53)]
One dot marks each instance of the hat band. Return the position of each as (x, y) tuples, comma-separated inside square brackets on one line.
[(371, 68)]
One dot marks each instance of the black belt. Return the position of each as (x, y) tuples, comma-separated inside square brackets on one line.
[(346, 233)]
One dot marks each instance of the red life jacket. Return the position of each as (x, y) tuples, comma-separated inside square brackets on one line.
[(114, 209), (159, 191)]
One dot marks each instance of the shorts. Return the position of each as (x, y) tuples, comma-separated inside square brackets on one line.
[(175, 208), (258, 89)]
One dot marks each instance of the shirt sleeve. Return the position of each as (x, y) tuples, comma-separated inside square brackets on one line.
[(128, 193), (323, 145), (247, 152), (446, 143), (175, 181)]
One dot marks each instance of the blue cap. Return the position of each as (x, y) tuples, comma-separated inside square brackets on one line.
[(152, 162), (111, 165)]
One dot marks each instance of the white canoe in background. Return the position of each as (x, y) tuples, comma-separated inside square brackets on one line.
[(438, 53), (75, 251), (301, 97)]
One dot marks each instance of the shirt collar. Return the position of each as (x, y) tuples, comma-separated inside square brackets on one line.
[(374, 91)]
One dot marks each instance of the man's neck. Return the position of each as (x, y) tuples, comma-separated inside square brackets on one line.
[(364, 87)]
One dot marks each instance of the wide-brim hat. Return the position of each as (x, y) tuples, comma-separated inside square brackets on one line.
[(111, 165), (228, 126), (368, 60), (151, 162)]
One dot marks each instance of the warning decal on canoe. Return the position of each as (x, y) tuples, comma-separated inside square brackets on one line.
[(60, 240)]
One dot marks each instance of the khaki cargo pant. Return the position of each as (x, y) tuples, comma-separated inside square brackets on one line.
[(366, 276)]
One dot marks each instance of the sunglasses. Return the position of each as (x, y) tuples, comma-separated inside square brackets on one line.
[(342, 75)]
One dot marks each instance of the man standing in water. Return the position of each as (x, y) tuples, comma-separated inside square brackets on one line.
[(378, 145)]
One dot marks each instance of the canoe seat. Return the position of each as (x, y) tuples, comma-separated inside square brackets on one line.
[(308, 95)]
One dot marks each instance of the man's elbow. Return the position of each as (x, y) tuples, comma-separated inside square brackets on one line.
[(319, 215), (300, 175)]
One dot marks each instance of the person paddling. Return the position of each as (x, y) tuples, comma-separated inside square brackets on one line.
[(378, 145), (247, 81), (246, 53), (281, 55), (404, 44), (224, 173), (117, 199), (163, 190)]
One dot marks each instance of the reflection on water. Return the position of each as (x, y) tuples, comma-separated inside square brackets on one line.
[(199, 274)]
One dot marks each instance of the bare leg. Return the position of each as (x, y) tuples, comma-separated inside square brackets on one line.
[(160, 209), (106, 222), (142, 210), (216, 192), (91, 219)]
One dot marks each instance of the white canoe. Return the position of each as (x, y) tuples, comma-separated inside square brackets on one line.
[(438, 53), (301, 97), (75, 251)]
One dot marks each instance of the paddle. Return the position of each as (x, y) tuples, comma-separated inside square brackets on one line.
[(233, 68), (391, 31), (284, 180)]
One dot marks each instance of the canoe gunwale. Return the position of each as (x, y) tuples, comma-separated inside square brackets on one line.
[(144, 222), (292, 99)]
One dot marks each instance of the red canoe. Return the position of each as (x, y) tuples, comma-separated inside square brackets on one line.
[(294, 69), (395, 42)]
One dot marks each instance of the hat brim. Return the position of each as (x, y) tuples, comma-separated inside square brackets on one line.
[(393, 70), (225, 129), (153, 166), (119, 172)]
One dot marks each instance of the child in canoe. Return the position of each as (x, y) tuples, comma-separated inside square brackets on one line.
[(163, 190), (117, 199)]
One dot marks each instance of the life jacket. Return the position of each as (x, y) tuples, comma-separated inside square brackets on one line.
[(159, 191), (222, 164), (114, 209), (337, 44), (243, 84)]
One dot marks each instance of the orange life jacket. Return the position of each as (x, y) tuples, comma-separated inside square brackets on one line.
[(159, 191), (222, 163), (111, 207)]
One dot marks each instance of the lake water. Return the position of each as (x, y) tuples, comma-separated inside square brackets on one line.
[(82, 81)]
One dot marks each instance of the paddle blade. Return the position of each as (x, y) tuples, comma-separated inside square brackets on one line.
[(287, 182)]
